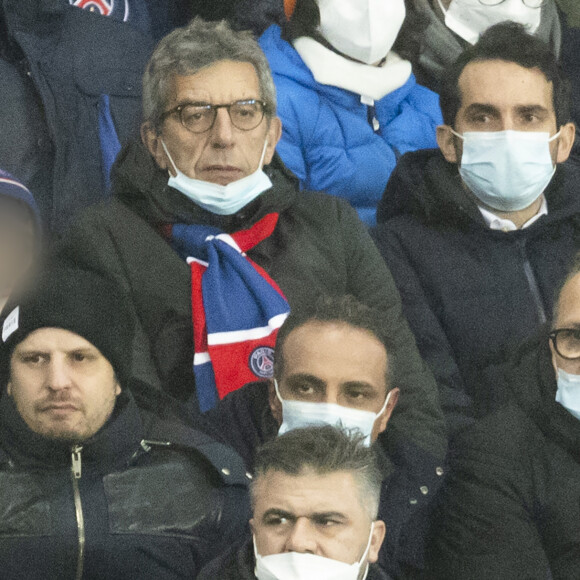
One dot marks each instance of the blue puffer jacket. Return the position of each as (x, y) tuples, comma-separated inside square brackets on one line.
[(327, 140)]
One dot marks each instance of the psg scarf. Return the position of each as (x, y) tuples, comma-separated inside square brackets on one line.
[(237, 308)]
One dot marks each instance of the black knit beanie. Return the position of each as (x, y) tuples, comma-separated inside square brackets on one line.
[(76, 300)]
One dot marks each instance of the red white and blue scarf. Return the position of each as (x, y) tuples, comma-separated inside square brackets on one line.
[(237, 308)]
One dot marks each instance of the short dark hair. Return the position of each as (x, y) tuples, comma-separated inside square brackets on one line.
[(507, 41), (344, 309), (572, 272), (323, 450)]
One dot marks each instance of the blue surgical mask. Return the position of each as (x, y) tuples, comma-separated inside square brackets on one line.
[(221, 199), (298, 414), (568, 393), (506, 170)]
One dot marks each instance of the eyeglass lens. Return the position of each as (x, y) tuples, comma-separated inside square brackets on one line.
[(245, 115)]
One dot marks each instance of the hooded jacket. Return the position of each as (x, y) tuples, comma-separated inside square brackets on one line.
[(441, 46), (471, 293), (328, 139), (143, 498), (511, 503), (240, 564), (319, 246)]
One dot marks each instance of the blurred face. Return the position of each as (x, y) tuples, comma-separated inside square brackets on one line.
[(568, 316), (499, 96), (17, 247), (314, 514), (63, 387), (224, 153), (327, 362)]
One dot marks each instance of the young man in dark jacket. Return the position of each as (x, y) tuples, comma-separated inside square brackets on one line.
[(482, 230), (192, 195), (93, 484), (315, 498), (511, 506)]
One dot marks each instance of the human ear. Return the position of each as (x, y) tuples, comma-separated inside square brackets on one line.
[(386, 415), (377, 537), (151, 138), (274, 402), (274, 134), (565, 142), (446, 142)]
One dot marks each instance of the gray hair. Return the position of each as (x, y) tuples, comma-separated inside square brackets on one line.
[(323, 450), (187, 50)]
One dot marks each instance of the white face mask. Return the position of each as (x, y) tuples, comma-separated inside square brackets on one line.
[(299, 566), (469, 18), (298, 414), (362, 29), (221, 199), (568, 393), (506, 170)]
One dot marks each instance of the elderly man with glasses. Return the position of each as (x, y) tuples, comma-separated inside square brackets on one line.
[(213, 242), (511, 506)]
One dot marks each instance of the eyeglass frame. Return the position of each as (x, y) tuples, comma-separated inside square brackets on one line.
[(524, 2), (553, 336), (214, 108)]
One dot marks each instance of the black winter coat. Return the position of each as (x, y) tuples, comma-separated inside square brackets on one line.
[(470, 294), (152, 500), (319, 246), (511, 502)]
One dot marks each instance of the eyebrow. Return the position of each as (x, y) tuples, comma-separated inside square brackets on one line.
[(537, 109), (306, 377), (312, 516)]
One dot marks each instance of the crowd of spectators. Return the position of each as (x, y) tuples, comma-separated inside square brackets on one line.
[(289, 289)]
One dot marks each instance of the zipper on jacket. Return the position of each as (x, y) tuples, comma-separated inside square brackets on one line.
[(532, 282), (76, 471)]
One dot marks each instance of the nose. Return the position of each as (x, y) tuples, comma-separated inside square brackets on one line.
[(222, 131), (302, 538), (57, 377)]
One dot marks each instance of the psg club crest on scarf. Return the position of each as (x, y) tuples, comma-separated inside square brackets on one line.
[(262, 362), (118, 9)]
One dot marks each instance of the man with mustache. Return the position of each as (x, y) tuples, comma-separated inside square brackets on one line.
[(95, 484)]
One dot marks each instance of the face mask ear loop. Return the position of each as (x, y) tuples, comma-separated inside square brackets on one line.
[(261, 164), (366, 552), (457, 134), (555, 136), (169, 157), (385, 404), (278, 392), (443, 9)]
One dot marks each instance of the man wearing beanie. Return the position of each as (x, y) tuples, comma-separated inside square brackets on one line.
[(93, 484), (19, 234)]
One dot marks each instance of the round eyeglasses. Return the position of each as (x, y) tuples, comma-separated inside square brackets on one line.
[(200, 117), (528, 3), (566, 341)]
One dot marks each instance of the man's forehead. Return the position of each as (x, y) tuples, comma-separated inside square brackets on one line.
[(504, 84), (52, 338), (307, 492), (569, 304), (221, 82)]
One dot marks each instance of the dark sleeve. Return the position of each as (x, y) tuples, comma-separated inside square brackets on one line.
[(417, 417), (431, 338), (485, 527), (243, 420), (90, 244)]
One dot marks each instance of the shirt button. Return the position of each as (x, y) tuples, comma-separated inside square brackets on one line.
[(439, 471), (225, 471), (413, 501), (424, 489)]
